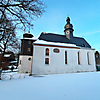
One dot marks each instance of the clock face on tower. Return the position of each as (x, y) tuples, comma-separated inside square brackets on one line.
[(67, 32)]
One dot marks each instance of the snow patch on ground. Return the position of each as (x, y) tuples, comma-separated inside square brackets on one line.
[(71, 86), (13, 75)]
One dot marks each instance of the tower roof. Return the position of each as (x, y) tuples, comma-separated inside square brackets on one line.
[(27, 35), (68, 20), (68, 25)]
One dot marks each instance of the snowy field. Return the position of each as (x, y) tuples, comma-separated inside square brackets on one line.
[(71, 86)]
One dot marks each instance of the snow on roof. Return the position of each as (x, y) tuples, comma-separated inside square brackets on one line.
[(13, 62), (53, 43), (52, 37), (7, 55), (34, 38)]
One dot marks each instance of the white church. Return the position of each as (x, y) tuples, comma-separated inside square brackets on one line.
[(52, 53)]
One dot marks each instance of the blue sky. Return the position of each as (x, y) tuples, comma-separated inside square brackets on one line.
[(84, 15)]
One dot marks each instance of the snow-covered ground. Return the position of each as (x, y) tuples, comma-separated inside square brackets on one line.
[(71, 86)]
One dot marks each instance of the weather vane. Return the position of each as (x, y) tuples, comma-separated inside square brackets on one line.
[(67, 15)]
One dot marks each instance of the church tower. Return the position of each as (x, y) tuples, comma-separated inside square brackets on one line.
[(26, 56), (26, 44), (68, 29)]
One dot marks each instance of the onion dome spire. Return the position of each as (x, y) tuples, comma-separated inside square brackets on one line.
[(68, 29), (68, 19)]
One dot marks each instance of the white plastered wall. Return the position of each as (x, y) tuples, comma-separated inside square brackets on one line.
[(57, 61), (25, 64)]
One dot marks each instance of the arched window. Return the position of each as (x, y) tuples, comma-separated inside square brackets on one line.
[(47, 61), (88, 58), (65, 57), (79, 58), (47, 52)]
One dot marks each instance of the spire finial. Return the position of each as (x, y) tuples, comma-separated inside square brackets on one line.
[(67, 14)]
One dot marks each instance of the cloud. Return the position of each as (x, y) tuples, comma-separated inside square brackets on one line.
[(89, 33)]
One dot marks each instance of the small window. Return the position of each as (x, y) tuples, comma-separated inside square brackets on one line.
[(29, 42), (79, 58), (20, 62), (65, 57), (88, 57), (56, 50), (47, 52), (47, 61), (83, 45), (29, 49), (29, 59)]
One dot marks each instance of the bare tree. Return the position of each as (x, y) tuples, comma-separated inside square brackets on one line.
[(22, 12), (8, 39), (16, 14)]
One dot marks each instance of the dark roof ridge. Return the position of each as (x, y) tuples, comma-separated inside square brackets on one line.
[(60, 35), (52, 37), (78, 37), (52, 33)]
